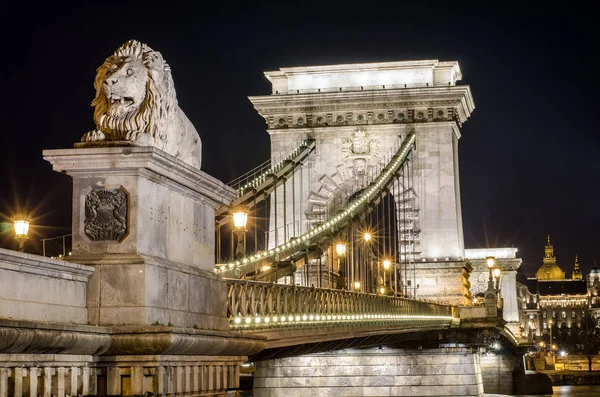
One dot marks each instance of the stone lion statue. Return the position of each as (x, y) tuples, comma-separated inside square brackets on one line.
[(135, 101)]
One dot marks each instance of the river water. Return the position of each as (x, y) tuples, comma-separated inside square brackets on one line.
[(567, 391)]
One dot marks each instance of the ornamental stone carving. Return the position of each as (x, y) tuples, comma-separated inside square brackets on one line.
[(106, 214), (135, 101), (360, 151)]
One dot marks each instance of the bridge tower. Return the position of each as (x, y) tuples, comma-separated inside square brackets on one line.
[(356, 112)]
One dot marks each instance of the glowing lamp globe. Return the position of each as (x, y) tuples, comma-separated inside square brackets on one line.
[(496, 273), (490, 261), (386, 264), (21, 226), (340, 248), (240, 218), (367, 236), (357, 284)]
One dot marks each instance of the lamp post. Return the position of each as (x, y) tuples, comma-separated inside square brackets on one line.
[(367, 270), (21, 228), (386, 266), (240, 218), (340, 250), (490, 262), (492, 294), (497, 277)]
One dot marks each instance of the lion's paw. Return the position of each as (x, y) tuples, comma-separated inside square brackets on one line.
[(93, 136), (144, 139)]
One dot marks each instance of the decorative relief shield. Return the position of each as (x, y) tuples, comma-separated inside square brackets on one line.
[(360, 151), (106, 214)]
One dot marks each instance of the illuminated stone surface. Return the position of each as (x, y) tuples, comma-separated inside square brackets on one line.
[(161, 270), (136, 102), (36, 288), (372, 372), (356, 113)]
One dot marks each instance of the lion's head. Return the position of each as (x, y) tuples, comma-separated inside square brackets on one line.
[(134, 94)]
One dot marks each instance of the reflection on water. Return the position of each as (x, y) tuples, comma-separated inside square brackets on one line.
[(565, 391), (576, 391)]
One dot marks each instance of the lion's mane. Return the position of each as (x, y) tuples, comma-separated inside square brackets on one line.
[(152, 116), (156, 120)]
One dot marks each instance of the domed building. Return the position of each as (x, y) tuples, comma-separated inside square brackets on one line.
[(550, 270), (550, 299)]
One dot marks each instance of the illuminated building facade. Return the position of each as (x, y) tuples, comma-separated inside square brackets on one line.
[(550, 299)]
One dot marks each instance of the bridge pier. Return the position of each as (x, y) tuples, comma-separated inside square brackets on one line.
[(373, 372)]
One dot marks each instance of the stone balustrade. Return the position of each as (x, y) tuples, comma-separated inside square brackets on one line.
[(267, 305)]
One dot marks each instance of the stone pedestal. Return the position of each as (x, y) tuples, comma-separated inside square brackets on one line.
[(442, 281), (145, 221)]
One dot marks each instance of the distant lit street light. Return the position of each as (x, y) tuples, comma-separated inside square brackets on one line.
[(497, 277), (340, 250), (490, 262), (21, 227), (240, 218)]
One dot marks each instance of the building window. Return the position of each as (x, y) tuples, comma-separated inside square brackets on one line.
[(544, 314), (531, 316), (545, 325), (564, 314), (573, 314), (553, 314)]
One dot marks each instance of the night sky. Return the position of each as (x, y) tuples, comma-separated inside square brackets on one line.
[(528, 155)]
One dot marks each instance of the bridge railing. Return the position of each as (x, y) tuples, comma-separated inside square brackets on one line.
[(256, 175), (258, 304)]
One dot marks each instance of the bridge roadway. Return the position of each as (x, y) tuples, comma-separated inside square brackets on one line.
[(298, 320)]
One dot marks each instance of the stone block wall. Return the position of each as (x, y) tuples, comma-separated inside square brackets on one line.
[(36, 288), (372, 372), (498, 373)]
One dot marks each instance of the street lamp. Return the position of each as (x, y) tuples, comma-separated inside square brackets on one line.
[(357, 285), (340, 249), (240, 218), (386, 264), (490, 261), (497, 277), (367, 236), (21, 227)]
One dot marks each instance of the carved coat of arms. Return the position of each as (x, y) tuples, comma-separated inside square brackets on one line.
[(360, 151), (105, 214)]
